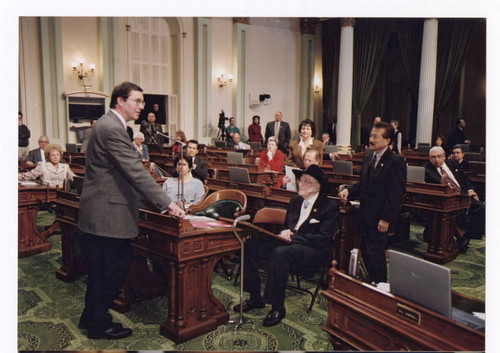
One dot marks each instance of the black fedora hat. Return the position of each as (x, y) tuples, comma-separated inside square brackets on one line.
[(317, 173)]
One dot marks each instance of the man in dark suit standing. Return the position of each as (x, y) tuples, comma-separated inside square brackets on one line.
[(281, 130), (457, 136), (440, 170), (381, 189), (38, 154), (109, 209), (311, 222)]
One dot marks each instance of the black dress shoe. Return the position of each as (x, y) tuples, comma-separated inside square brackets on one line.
[(83, 325), (249, 305), (274, 317), (463, 245), (112, 333)]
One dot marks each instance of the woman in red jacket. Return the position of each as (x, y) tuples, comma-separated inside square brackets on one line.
[(272, 159), (254, 132)]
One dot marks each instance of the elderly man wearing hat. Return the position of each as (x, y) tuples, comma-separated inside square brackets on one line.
[(311, 222)]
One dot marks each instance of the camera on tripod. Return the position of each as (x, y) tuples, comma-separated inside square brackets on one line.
[(222, 119)]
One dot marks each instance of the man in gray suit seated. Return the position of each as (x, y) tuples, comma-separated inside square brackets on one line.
[(109, 209), (38, 154)]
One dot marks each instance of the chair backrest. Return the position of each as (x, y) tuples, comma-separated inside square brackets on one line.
[(423, 144), (342, 167), (71, 147), (423, 149), (220, 144), (227, 203), (477, 167), (78, 183), (465, 146), (415, 174), (474, 156), (269, 215), (239, 174)]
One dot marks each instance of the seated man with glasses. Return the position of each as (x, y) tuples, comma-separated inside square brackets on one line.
[(38, 154), (311, 222)]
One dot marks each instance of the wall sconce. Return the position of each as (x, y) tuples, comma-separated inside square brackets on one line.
[(224, 83), (81, 72), (317, 86)]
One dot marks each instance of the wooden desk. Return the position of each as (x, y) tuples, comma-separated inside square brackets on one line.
[(30, 240), (187, 256), (258, 177), (362, 318), (441, 207)]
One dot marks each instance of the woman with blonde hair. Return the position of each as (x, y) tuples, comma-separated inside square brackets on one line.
[(51, 172)]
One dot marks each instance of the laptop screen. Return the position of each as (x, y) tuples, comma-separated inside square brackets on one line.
[(420, 281), (235, 157), (239, 174)]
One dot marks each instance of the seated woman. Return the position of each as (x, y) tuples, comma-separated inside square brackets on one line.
[(272, 159), (179, 136), (193, 188), (142, 149), (51, 172), (297, 149)]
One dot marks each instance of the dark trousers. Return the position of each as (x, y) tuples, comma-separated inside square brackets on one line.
[(283, 260), (373, 245), (475, 220), (108, 261)]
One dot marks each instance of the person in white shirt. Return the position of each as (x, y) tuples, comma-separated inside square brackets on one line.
[(237, 144), (184, 188), (297, 149)]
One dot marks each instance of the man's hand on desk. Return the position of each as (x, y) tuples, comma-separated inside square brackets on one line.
[(344, 194), (473, 194), (175, 210), (286, 234)]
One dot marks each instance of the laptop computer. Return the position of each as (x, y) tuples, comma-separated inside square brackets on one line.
[(255, 145), (342, 167), (235, 157), (427, 284), (420, 281), (239, 174), (415, 174), (331, 149)]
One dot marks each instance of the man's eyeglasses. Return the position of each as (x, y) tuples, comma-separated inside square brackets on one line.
[(139, 102)]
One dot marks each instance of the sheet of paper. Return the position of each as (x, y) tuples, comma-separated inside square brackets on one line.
[(292, 185)]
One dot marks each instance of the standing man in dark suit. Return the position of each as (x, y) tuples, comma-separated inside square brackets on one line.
[(440, 170), (38, 154), (380, 188), (281, 130), (457, 136), (310, 224), (109, 209), (24, 135)]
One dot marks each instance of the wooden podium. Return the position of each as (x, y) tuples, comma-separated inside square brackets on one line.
[(30, 240), (362, 317), (185, 254)]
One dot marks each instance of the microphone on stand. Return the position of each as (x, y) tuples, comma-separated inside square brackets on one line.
[(144, 125)]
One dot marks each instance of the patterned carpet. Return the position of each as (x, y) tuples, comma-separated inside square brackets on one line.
[(49, 309)]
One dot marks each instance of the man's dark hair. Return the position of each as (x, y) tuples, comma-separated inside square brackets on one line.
[(186, 158), (20, 113), (123, 90), (310, 123), (194, 142), (459, 146), (388, 129), (458, 122)]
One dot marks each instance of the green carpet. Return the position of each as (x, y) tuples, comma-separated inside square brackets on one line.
[(49, 309)]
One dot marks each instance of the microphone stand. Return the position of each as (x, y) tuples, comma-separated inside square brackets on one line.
[(151, 135), (180, 183)]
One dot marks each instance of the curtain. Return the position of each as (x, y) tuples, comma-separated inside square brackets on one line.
[(453, 41), (330, 57), (370, 42), (410, 33)]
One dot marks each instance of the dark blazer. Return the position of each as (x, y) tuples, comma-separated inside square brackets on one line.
[(284, 135), (114, 178), (201, 170), (294, 157), (381, 193), (35, 156), (433, 176), (311, 233), (151, 129)]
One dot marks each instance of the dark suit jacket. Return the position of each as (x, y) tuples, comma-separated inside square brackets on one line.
[(147, 137), (114, 178), (294, 157), (311, 233), (35, 156), (457, 137), (381, 194), (201, 170), (284, 135), (433, 176)]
